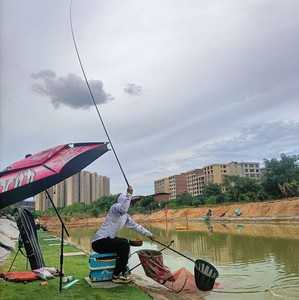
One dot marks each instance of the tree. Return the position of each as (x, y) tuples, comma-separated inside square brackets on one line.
[(282, 178), (74, 209), (105, 202), (198, 200), (95, 212), (212, 189), (294, 187), (241, 189), (213, 193), (146, 204), (184, 200)]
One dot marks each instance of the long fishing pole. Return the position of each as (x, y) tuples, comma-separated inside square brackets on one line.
[(92, 97)]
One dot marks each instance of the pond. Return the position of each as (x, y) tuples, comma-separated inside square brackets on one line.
[(255, 261)]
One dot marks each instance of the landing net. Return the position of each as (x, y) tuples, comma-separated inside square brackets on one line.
[(179, 281)]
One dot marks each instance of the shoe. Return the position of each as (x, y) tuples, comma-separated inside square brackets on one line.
[(122, 278)]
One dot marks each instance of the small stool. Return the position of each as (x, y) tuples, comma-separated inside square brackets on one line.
[(101, 266)]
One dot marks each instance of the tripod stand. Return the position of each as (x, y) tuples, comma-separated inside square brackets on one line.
[(20, 244)]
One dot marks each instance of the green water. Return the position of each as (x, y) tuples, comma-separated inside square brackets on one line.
[(254, 261)]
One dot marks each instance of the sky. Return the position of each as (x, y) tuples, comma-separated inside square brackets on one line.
[(179, 84)]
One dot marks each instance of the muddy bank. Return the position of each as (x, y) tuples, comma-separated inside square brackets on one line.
[(287, 210), (269, 211)]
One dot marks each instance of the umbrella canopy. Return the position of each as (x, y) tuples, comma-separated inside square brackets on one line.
[(32, 175)]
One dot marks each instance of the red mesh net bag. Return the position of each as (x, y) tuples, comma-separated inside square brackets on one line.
[(154, 268), (180, 281), (184, 281)]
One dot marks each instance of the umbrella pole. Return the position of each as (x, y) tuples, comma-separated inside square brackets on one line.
[(61, 260), (62, 240)]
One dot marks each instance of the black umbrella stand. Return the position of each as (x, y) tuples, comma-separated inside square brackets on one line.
[(63, 228)]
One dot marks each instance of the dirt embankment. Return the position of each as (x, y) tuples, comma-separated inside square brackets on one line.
[(278, 210)]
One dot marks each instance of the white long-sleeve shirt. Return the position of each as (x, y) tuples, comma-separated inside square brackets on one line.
[(117, 218)]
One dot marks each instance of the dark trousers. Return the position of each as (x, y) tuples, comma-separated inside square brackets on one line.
[(119, 245)]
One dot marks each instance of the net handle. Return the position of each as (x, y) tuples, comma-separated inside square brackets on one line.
[(167, 246)]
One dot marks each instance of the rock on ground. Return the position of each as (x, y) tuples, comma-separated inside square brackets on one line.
[(9, 234)]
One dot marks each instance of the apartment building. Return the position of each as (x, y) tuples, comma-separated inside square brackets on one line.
[(84, 187), (59, 194), (95, 187), (177, 185), (245, 169), (104, 186), (195, 182), (215, 173), (41, 201), (162, 185), (72, 190)]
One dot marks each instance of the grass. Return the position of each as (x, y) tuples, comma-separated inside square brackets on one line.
[(77, 266)]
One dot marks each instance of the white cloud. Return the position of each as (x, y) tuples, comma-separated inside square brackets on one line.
[(212, 82)]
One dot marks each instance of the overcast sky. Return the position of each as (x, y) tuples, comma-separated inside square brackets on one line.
[(179, 84)]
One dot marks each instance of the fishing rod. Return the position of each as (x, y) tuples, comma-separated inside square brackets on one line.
[(92, 97)]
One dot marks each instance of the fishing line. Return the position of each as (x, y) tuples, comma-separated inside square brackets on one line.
[(92, 97)]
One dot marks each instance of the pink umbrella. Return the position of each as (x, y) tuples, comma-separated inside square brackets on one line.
[(37, 172)]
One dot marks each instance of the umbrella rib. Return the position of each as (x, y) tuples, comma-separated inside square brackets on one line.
[(50, 169)]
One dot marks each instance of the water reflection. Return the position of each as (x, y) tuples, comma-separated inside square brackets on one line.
[(254, 261)]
